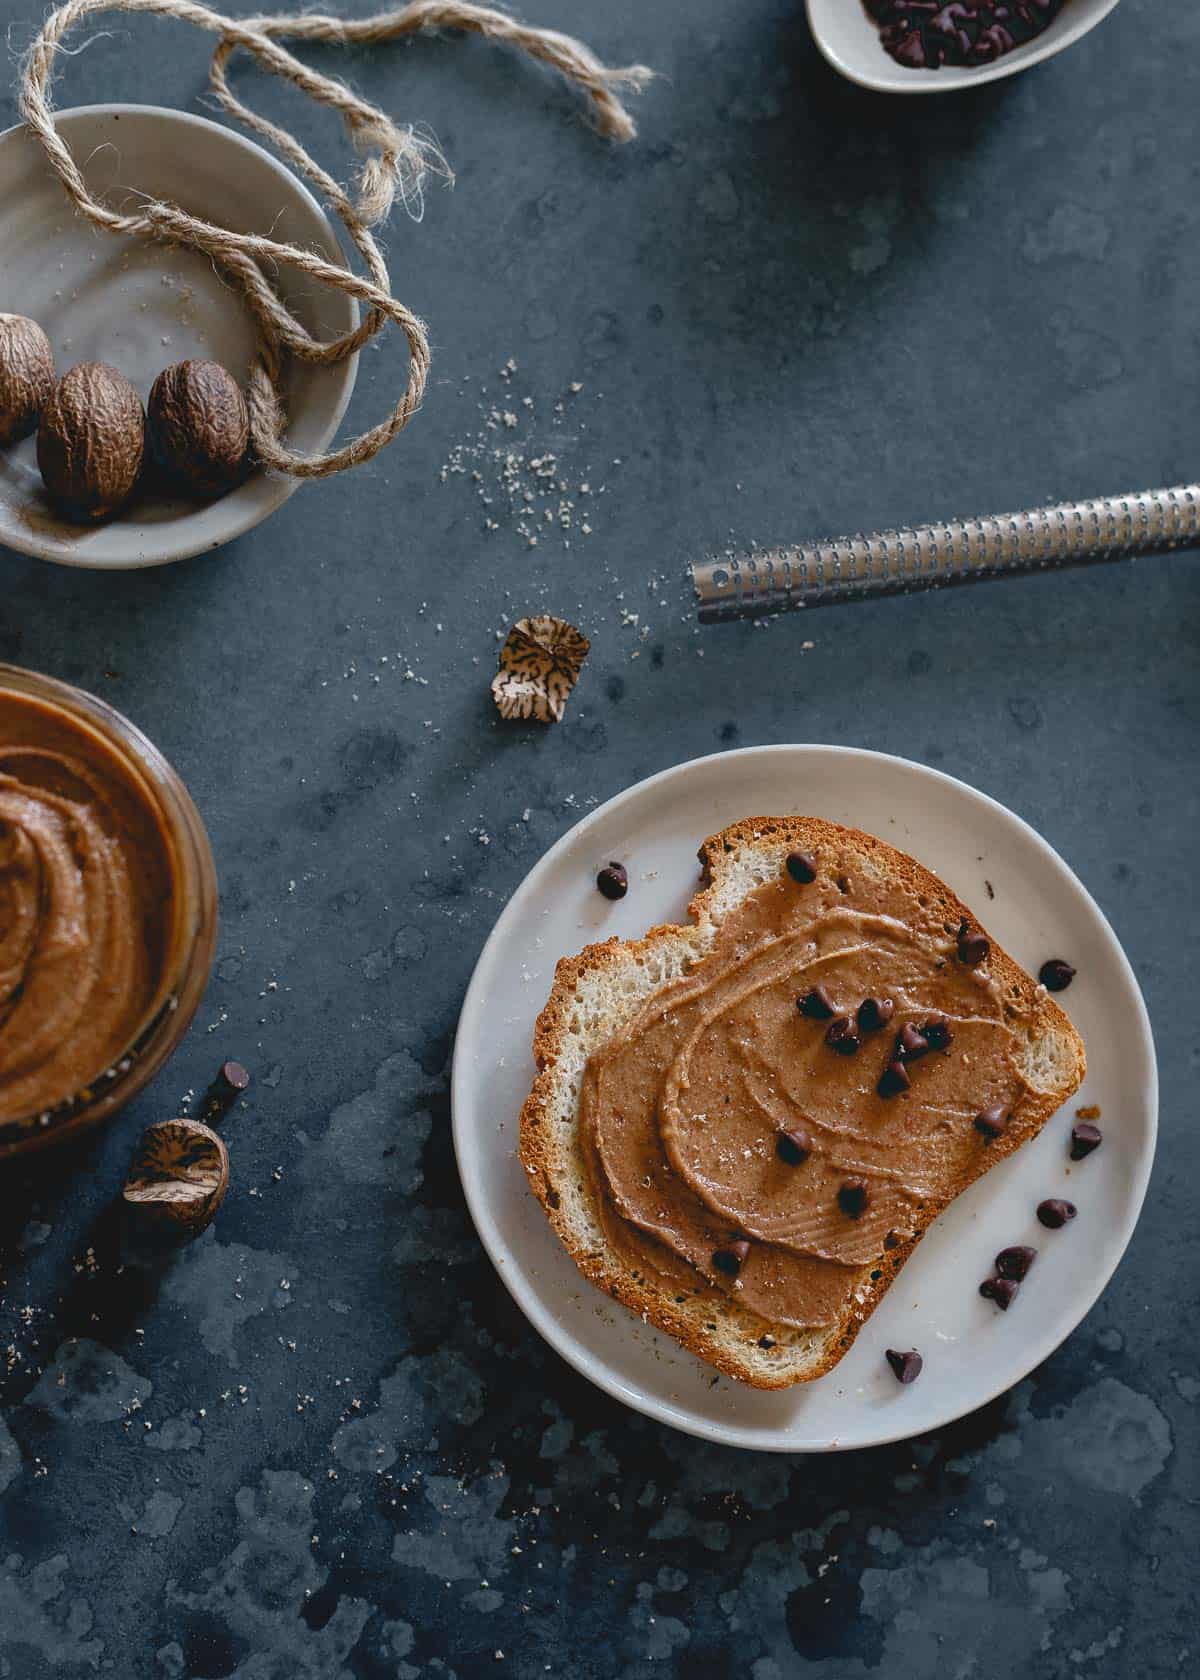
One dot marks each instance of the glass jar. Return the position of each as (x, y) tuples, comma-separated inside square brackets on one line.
[(174, 974)]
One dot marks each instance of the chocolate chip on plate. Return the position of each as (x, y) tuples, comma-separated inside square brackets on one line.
[(853, 1197), (906, 1366), (910, 1043), (802, 867), (817, 1004), (1054, 1212), (841, 1036), (1056, 975), (937, 1034), (893, 1080), (1015, 1262), (793, 1147), (612, 881), (1084, 1138), (731, 1260), (993, 1122), (973, 946), (1002, 1290), (874, 1014)]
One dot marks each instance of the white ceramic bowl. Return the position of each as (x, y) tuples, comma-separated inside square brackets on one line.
[(142, 306), (849, 39)]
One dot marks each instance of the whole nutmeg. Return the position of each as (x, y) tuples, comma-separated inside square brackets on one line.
[(26, 376), (91, 439), (199, 427), (177, 1180)]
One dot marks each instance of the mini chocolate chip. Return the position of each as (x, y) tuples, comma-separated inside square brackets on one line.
[(875, 1013), (1015, 1262), (766, 1342), (1054, 1212), (842, 1037), (1084, 1138), (612, 881), (937, 1033), (905, 1366), (231, 1082), (973, 946), (730, 1260), (993, 1121), (1056, 975), (1003, 1291), (817, 1004), (893, 1080), (233, 1077), (853, 1197), (910, 1043), (794, 1147), (802, 867), (892, 1240)]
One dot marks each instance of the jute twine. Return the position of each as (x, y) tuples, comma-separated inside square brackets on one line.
[(396, 160)]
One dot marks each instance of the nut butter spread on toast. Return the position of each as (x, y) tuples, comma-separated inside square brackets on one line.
[(682, 1110)]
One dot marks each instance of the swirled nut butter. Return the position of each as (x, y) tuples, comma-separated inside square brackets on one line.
[(105, 907), (742, 1127)]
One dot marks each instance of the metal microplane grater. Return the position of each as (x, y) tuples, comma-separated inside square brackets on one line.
[(959, 551)]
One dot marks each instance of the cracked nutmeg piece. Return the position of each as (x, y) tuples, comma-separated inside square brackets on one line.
[(177, 1179), (540, 663)]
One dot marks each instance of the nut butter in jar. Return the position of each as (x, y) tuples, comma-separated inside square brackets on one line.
[(108, 910)]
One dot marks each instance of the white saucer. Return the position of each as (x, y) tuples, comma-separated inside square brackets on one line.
[(142, 307), (972, 1352)]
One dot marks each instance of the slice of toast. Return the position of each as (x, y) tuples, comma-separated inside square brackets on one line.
[(596, 993)]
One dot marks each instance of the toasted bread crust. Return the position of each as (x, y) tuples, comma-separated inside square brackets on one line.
[(709, 1322)]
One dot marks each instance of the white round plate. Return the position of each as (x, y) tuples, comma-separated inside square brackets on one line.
[(972, 1352), (143, 306), (849, 38)]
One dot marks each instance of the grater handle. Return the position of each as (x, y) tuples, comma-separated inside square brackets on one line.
[(958, 551)]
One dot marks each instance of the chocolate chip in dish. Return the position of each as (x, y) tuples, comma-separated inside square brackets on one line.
[(925, 34)]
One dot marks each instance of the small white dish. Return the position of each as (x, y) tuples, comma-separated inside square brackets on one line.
[(849, 39), (972, 1352), (143, 306)]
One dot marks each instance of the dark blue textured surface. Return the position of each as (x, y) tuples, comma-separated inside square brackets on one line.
[(325, 1444)]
